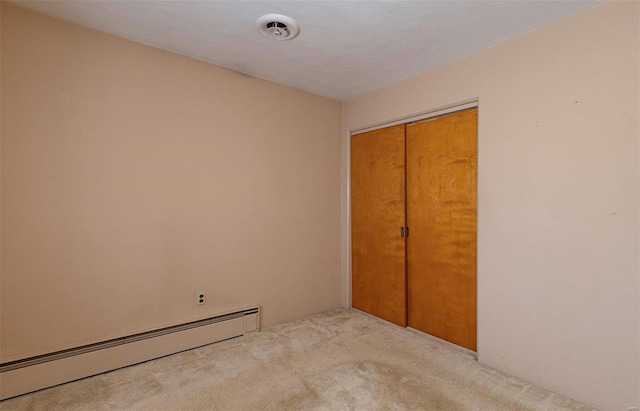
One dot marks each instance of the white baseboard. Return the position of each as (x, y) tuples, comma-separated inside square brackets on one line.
[(14, 382)]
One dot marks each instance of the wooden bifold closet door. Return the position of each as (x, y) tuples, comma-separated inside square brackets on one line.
[(442, 214), (378, 280), (423, 178)]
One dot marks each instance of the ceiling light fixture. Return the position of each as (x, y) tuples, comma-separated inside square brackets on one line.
[(277, 26)]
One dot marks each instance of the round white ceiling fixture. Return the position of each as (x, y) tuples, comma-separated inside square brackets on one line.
[(277, 26)]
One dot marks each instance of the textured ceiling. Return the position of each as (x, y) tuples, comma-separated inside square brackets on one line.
[(345, 48)]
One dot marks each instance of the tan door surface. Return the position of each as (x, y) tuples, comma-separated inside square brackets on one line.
[(378, 278), (442, 219)]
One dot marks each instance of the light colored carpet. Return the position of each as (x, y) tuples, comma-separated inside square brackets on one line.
[(334, 361)]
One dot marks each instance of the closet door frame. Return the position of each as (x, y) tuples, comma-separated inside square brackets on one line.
[(441, 111)]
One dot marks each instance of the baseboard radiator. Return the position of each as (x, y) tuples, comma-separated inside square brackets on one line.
[(43, 371)]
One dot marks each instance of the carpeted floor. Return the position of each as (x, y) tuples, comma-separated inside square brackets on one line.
[(334, 361)]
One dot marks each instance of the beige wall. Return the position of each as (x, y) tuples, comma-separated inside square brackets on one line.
[(558, 275), (133, 178)]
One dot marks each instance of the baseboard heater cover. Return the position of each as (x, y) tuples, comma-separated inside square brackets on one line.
[(43, 371)]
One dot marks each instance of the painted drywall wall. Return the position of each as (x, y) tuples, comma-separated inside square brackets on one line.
[(133, 178), (558, 277)]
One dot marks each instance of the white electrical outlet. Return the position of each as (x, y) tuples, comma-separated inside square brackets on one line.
[(202, 300)]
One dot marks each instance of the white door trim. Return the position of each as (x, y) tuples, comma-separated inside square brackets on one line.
[(419, 117)]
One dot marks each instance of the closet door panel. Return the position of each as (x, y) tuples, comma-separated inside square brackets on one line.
[(442, 218), (378, 252)]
